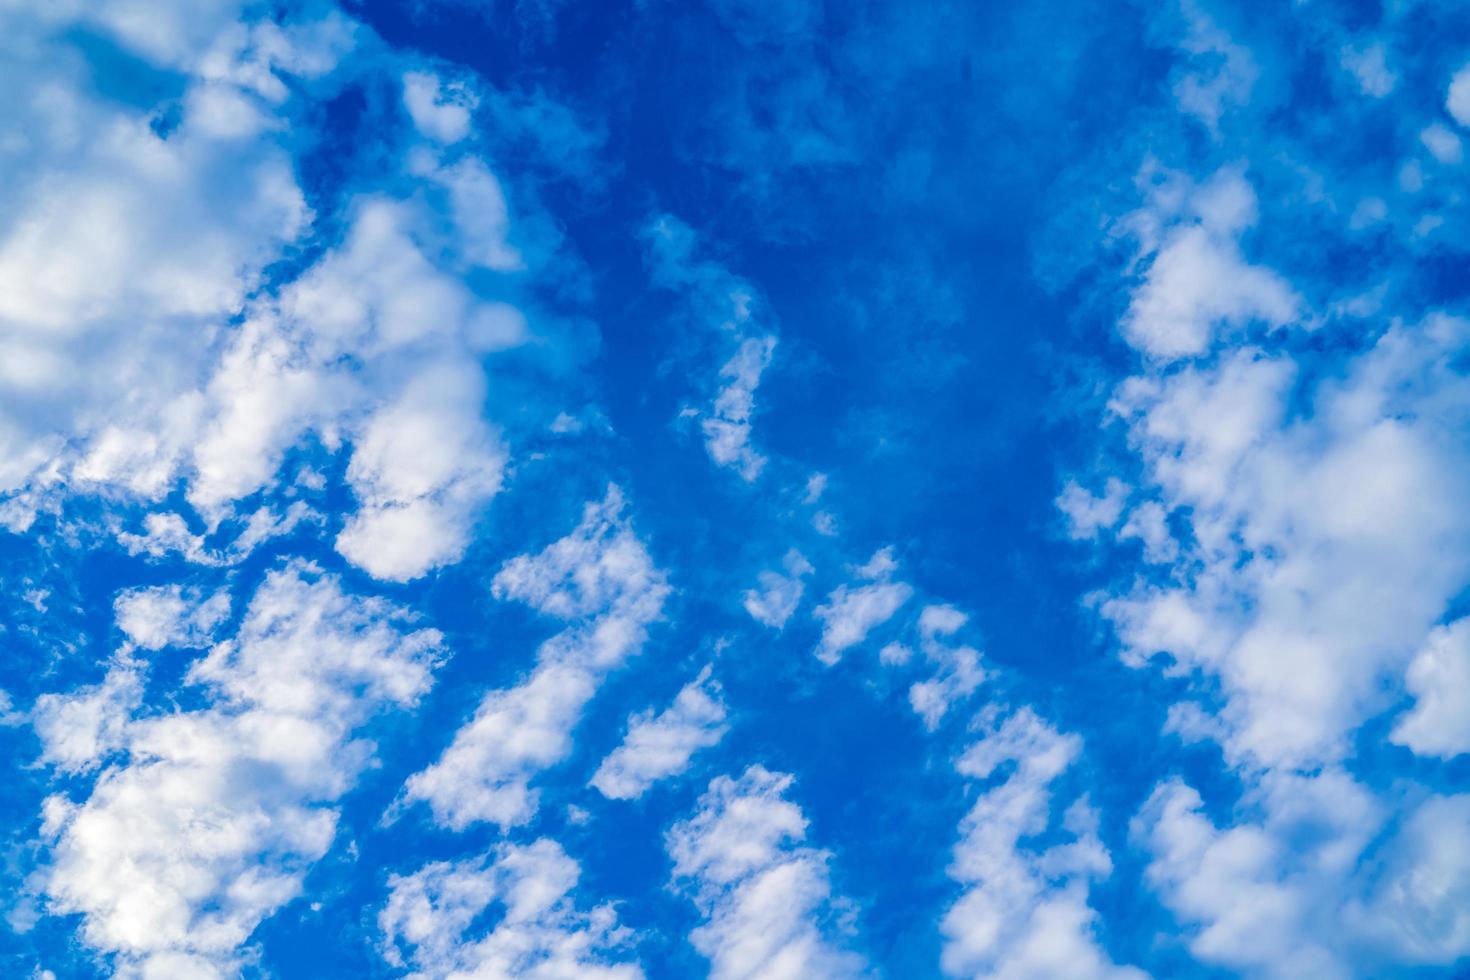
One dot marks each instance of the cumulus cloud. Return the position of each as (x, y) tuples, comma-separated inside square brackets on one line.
[(1024, 911), (1320, 547), (1457, 98), (435, 920), (765, 895), (441, 112), (210, 824), (1195, 280), (777, 596), (1255, 899), (421, 468), (1369, 68), (1439, 678), (957, 666), (1088, 513), (851, 612), (660, 745), (144, 343), (169, 615), (601, 582)]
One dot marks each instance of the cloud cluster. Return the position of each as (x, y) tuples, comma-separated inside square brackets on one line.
[(765, 896), (660, 745), (435, 919), (1024, 911), (211, 818), (601, 582)]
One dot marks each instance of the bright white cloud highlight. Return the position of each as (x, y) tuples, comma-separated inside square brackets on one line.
[(1195, 281), (211, 823), (660, 745), (776, 598), (1439, 679), (1024, 911), (851, 612), (765, 896), (602, 583), (433, 920)]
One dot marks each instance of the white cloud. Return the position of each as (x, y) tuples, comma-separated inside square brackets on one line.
[(1369, 68), (727, 427), (1220, 73), (1439, 679), (778, 596), (1442, 142), (1457, 99), (1088, 513), (441, 112), (1196, 280), (765, 896), (177, 854), (122, 256), (718, 298), (600, 580), (851, 612), (1024, 911), (958, 672), (80, 729), (1319, 882), (1320, 546), (1148, 524), (421, 468), (139, 349), (432, 920), (661, 745), (169, 615)]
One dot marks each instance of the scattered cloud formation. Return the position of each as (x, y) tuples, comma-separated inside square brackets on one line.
[(1024, 911), (851, 612), (660, 745), (434, 920), (212, 818), (764, 894), (602, 583)]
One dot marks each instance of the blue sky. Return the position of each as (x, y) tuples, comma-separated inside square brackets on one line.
[(748, 490)]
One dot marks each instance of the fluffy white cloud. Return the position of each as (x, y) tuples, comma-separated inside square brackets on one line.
[(1439, 679), (851, 612), (957, 665), (211, 823), (1024, 911), (431, 922), (1457, 99), (125, 248), (765, 896), (1320, 546), (777, 596), (80, 729), (441, 112), (139, 348), (421, 467), (169, 615), (600, 580), (1195, 280), (1088, 513), (1319, 883), (660, 745)]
